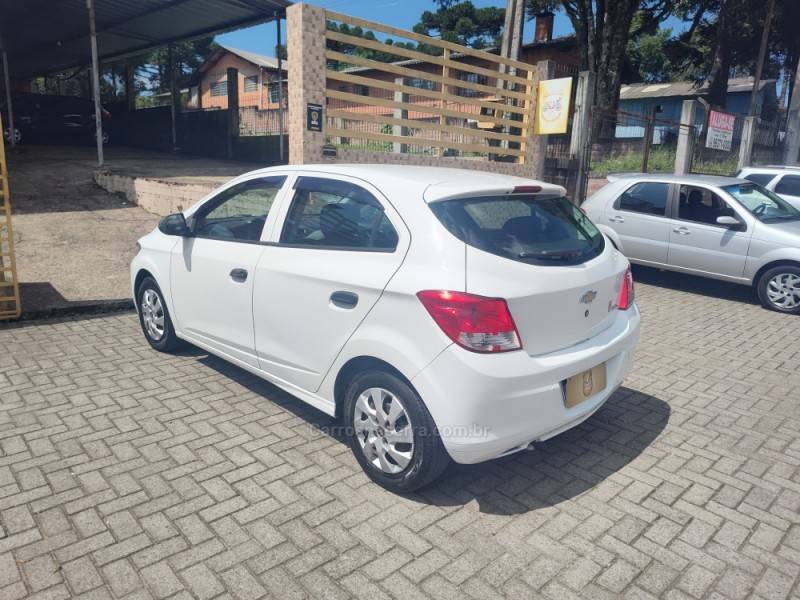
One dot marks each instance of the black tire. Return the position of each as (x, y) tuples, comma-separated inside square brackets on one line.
[(763, 290), (168, 341), (429, 458)]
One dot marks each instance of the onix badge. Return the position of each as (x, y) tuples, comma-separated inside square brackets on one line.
[(588, 383)]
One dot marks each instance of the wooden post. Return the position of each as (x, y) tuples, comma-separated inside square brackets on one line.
[(649, 129), (233, 108)]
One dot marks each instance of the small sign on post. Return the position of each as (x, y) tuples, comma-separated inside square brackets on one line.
[(552, 105), (720, 130), (314, 117)]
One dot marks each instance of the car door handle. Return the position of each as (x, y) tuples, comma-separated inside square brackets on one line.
[(617, 219), (239, 275), (345, 300), (681, 231)]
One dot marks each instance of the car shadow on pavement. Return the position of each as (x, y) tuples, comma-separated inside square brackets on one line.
[(694, 284), (561, 468)]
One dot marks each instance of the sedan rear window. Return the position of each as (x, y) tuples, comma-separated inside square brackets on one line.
[(525, 228)]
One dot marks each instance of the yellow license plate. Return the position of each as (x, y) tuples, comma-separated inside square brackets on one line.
[(585, 385)]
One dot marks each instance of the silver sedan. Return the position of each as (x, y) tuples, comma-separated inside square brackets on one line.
[(719, 227)]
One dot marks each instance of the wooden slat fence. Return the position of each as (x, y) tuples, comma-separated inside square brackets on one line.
[(426, 103)]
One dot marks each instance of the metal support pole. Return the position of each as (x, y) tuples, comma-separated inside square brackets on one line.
[(174, 97), (280, 90), (98, 114), (9, 104)]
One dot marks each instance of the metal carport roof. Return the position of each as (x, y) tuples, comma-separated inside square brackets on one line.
[(46, 36)]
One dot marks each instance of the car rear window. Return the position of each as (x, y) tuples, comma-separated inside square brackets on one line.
[(760, 178), (525, 228)]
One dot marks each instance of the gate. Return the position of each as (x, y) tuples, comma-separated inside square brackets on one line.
[(9, 287)]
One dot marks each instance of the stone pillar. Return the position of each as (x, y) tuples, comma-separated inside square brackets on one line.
[(233, 108), (536, 147), (686, 138), (400, 113), (746, 145), (305, 33)]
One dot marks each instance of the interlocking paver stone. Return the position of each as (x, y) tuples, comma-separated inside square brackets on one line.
[(125, 473)]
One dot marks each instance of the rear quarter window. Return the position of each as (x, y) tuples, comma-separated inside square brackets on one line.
[(524, 228)]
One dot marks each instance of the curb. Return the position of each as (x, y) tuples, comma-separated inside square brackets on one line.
[(98, 308)]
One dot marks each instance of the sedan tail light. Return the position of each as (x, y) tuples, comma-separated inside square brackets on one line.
[(627, 294), (473, 322)]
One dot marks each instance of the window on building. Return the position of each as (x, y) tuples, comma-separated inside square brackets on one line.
[(471, 78), (219, 88), (273, 93), (361, 90), (251, 83), (422, 84)]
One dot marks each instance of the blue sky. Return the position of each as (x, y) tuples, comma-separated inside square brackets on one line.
[(399, 13)]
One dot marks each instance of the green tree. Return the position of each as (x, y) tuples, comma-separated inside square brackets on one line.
[(602, 29), (463, 23)]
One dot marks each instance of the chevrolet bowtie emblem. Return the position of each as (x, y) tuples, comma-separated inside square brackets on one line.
[(588, 297)]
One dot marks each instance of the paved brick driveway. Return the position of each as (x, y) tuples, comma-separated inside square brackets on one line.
[(128, 474)]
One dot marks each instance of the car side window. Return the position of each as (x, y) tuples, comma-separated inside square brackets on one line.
[(330, 213), (789, 185), (760, 178), (702, 206), (238, 213), (649, 198)]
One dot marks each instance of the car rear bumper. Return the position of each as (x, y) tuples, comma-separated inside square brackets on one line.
[(486, 406)]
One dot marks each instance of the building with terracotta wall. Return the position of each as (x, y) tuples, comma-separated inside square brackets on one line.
[(258, 80)]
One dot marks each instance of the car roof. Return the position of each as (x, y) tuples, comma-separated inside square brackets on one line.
[(715, 180), (770, 169), (430, 183)]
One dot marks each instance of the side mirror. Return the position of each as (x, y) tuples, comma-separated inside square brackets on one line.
[(731, 222), (174, 225)]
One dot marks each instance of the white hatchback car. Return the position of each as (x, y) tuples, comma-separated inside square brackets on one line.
[(442, 313)]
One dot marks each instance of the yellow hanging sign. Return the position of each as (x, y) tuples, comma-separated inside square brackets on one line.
[(552, 105)]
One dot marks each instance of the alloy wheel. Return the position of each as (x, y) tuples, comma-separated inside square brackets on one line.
[(783, 290), (383, 430), (153, 314)]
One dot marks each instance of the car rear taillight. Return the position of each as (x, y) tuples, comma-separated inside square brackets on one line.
[(627, 293), (473, 322), (106, 114)]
